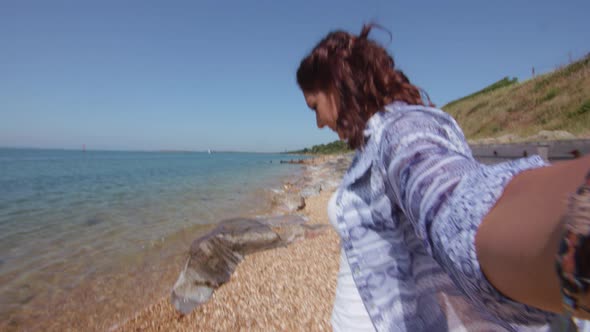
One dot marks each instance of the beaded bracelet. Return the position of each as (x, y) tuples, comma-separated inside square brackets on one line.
[(573, 257)]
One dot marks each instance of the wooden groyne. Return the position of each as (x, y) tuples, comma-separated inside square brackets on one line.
[(548, 150)]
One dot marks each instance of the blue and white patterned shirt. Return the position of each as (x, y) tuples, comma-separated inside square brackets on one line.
[(407, 212)]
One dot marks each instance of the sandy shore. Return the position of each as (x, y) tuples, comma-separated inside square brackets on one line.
[(282, 289)]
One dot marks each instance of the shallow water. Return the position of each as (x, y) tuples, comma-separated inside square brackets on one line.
[(90, 228)]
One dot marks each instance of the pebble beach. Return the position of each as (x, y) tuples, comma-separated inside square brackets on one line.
[(284, 289)]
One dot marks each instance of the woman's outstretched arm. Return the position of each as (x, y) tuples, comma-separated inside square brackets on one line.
[(518, 239), (500, 222)]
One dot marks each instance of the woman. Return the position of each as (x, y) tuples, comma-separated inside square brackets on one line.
[(431, 239)]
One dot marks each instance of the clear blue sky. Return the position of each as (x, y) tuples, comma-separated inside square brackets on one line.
[(194, 75)]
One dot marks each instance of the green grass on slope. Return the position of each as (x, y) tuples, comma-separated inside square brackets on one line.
[(559, 100), (329, 148), (500, 84)]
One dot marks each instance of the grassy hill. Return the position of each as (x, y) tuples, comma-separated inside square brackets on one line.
[(559, 100)]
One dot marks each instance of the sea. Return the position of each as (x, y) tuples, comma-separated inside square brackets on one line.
[(100, 233)]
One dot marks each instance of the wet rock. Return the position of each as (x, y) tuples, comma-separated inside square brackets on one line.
[(214, 256), (93, 221)]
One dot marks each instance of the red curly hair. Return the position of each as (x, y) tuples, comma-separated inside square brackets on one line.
[(362, 76)]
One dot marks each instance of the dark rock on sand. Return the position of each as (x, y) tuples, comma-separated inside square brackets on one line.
[(215, 255), (93, 221), (301, 205)]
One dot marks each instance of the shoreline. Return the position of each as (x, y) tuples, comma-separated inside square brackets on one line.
[(101, 299), (288, 288)]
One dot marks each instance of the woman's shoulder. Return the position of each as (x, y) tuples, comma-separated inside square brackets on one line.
[(401, 111), (411, 126), (399, 120)]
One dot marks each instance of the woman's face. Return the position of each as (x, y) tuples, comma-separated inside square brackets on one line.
[(324, 106)]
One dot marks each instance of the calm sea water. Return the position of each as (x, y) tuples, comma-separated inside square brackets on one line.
[(69, 215)]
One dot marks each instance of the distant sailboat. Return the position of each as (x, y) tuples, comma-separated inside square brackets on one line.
[(209, 151)]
